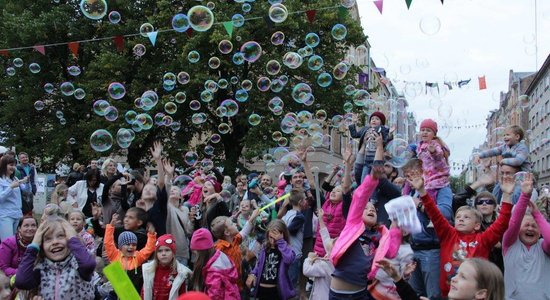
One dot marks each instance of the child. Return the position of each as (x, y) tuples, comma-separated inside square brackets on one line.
[(164, 278), (434, 155), (129, 257), (57, 263), (514, 152), (464, 239), (5, 289), (229, 239), (367, 146), (270, 279), (76, 219), (526, 255), (294, 220), (320, 267), (134, 221), (214, 273)]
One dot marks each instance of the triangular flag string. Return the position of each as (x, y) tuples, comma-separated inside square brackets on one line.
[(73, 46), (311, 15), (228, 27), (379, 4), (41, 49), (408, 3), (152, 37), (119, 42)]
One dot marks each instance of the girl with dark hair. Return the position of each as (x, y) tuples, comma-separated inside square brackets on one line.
[(86, 192), (10, 197)]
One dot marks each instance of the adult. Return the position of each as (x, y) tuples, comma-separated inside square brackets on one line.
[(108, 170), (10, 197), (86, 192), (75, 175), (92, 165), (212, 204), (13, 248), (28, 188), (486, 203)]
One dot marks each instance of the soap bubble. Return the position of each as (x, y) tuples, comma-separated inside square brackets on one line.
[(100, 107), (101, 140), (209, 150), (312, 39), (93, 9), (111, 113), (195, 105), (72, 141), (191, 158), (193, 56), (170, 108), (288, 125), (198, 118), (263, 84), (254, 119), (340, 71), (347, 3), (215, 138), (231, 107), (67, 88), (145, 121), (276, 136), (246, 7), (275, 102), (273, 67), (169, 78), (324, 79), (224, 128), (180, 23), (39, 105), (114, 17), (139, 50), (200, 18), (315, 62), (10, 71), (59, 114), (34, 68), (339, 32), (79, 94), (146, 28), (251, 51), (430, 25), (241, 95), (278, 38), (238, 58), (214, 63), (292, 60), (73, 70), (238, 20), (278, 13), (116, 90), (183, 77), (301, 92), (48, 88), (149, 98), (399, 152), (18, 62), (222, 83), (360, 97), (130, 116), (225, 46)]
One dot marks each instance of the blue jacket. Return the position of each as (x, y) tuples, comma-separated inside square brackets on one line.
[(284, 286)]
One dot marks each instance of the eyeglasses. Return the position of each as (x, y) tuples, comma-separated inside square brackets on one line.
[(485, 201)]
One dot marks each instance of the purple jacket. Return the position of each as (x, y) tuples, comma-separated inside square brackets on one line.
[(286, 291), (11, 253)]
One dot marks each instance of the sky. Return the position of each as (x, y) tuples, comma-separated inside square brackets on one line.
[(475, 38)]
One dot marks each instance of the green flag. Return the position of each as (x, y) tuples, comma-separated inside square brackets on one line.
[(228, 27), (408, 3)]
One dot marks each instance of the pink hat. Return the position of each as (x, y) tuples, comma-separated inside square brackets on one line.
[(202, 240), (194, 296), (166, 240), (429, 123)]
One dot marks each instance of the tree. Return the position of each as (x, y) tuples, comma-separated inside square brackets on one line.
[(43, 135)]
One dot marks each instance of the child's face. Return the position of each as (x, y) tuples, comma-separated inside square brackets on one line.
[(75, 219), (375, 121), (529, 232), (465, 222), (245, 206), (486, 206), (131, 221), (510, 138), (5, 289), (412, 173), (54, 243), (208, 189), (165, 256), (464, 284), (369, 215), (231, 227), (129, 250), (426, 134), (149, 191), (336, 194)]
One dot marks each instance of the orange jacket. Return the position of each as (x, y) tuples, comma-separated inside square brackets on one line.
[(128, 263)]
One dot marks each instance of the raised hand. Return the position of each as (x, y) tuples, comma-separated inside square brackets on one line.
[(348, 156), (385, 265), (156, 150), (320, 213), (114, 220), (39, 235), (169, 167), (150, 227), (507, 184), (417, 182), (486, 179), (527, 184), (251, 281)]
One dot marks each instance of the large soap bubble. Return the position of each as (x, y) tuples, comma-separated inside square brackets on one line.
[(200, 18), (278, 13), (398, 149), (251, 51), (180, 23), (93, 9), (101, 140)]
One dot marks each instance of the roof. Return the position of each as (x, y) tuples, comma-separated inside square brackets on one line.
[(539, 75)]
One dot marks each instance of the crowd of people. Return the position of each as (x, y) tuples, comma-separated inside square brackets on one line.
[(203, 235)]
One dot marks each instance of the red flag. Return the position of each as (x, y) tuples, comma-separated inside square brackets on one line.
[(4, 53), (189, 32), (379, 4), (73, 46), (311, 15), (482, 83), (119, 42), (40, 48)]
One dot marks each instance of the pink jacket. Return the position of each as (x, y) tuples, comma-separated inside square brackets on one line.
[(335, 223), (435, 166), (11, 253), (220, 278)]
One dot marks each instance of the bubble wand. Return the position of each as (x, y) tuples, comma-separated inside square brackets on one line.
[(283, 197)]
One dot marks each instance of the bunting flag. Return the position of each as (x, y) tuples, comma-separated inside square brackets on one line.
[(442, 2), (153, 36), (228, 28), (189, 32), (408, 3), (119, 42), (4, 53), (463, 83), (311, 15), (379, 4), (432, 85), (41, 49), (73, 46), (448, 84), (482, 83)]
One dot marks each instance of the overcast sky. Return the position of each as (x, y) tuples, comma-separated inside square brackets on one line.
[(475, 38)]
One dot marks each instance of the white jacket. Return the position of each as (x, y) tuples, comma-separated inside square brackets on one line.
[(78, 193), (148, 270)]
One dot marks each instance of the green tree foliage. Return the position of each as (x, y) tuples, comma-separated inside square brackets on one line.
[(44, 22)]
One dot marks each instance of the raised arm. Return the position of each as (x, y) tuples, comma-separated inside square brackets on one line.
[(544, 227), (507, 187), (522, 153), (156, 152), (307, 169), (348, 165)]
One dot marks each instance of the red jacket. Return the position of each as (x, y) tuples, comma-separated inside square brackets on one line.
[(456, 246)]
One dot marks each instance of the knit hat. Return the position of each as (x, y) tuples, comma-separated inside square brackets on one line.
[(166, 240), (380, 116), (194, 296), (127, 238), (429, 123), (202, 240), (216, 184)]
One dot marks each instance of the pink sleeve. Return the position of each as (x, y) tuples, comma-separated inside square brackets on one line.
[(360, 199), (511, 235), (544, 228), (395, 242)]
